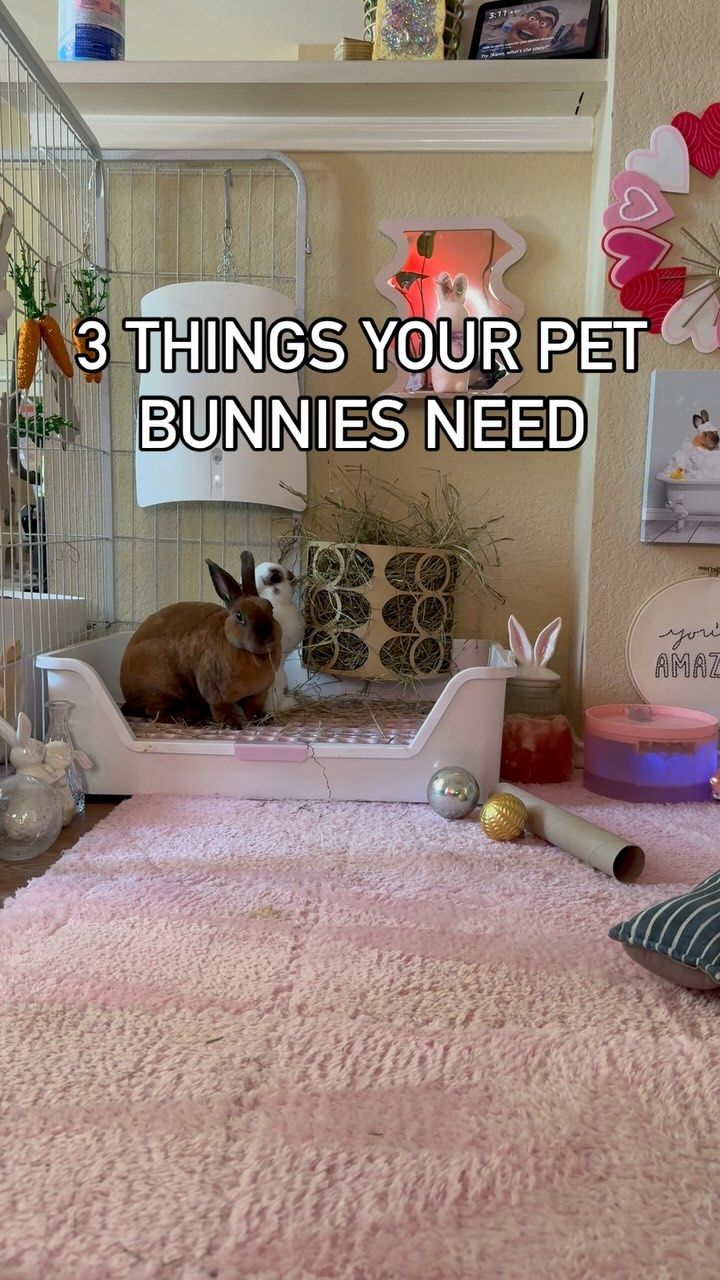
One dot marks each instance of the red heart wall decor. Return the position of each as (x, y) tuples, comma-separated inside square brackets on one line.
[(702, 135), (653, 294), (681, 303)]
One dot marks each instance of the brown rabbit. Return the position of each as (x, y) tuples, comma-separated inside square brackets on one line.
[(707, 437), (191, 659)]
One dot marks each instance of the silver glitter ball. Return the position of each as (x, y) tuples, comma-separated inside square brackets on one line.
[(453, 792)]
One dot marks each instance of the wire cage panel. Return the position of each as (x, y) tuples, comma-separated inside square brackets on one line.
[(175, 220), (77, 556), (56, 575)]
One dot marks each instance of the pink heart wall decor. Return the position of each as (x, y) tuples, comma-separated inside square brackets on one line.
[(653, 293), (702, 137), (639, 202), (636, 251), (697, 317), (667, 163)]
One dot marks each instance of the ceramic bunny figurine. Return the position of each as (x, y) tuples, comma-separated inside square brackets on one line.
[(532, 660), (58, 758), (46, 763), (452, 296), (26, 752)]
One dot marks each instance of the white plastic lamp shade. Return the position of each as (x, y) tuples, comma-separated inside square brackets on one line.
[(217, 475)]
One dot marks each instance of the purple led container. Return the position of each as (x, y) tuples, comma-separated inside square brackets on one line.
[(661, 755)]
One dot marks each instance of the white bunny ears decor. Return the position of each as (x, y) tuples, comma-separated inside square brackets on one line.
[(46, 762), (531, 659)]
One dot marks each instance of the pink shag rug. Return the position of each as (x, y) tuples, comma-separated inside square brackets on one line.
[(288, 1041)]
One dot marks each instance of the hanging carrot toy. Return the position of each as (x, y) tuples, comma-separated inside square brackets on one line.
[(87, 298), (23, 274), (52, 336), (38, 323)]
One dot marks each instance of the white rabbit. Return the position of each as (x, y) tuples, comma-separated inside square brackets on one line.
[(452, 296), (31, 758), (532, 660), (276, 585)]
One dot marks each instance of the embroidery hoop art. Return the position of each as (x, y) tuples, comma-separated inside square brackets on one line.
[(681, 301), (684, 614)]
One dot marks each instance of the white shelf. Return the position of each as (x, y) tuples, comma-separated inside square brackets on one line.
[(563, 87), (533, 106)]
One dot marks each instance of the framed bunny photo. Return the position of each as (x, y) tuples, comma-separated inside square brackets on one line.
[(681, 502)]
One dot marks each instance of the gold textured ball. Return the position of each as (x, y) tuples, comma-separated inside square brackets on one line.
[(503, 817)]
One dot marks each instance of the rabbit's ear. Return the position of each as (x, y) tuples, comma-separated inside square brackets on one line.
[(247, 574), (444, 285), (24, 731), (84, 761), (226, 586), (7, 733), (704, 415), (697, 422), (519, 643), (460, 285), (546, 643)]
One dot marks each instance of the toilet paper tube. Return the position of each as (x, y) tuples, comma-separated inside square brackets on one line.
[(609, 853)]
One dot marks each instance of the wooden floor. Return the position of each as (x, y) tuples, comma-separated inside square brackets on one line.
[(14, 875)]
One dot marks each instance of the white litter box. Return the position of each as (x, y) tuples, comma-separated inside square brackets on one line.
[(389, 754)]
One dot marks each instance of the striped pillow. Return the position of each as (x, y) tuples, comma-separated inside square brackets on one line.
[(686, 930)]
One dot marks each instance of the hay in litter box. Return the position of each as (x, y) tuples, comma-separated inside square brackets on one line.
[(334, 720)]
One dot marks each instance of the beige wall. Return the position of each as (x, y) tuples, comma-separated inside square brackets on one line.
[(545, 198), (666, 62), (209, 29)]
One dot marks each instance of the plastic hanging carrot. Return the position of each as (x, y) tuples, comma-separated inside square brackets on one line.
[(52, 336), (28, 341), (87, 298), (38, 324)]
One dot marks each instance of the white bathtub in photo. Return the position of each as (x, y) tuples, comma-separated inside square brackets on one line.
[(697, 497)]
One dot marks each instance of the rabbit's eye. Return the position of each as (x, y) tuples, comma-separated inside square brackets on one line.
[(238, 617)]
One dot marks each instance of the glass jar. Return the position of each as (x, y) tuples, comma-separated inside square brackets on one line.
[(537, 698), (58, 730)]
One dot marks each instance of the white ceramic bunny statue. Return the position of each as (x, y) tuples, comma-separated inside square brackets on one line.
[(26, 752), (531, 659), (452, 297), (45, 762), (58, 758)]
